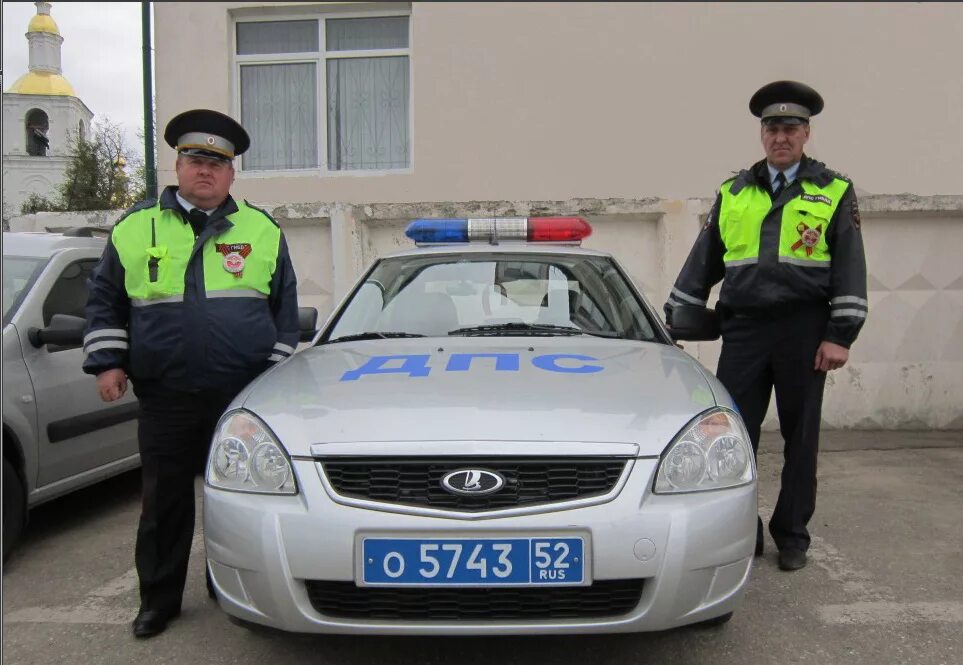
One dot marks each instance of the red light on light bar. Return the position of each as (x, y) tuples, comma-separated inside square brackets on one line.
[(558, 229)]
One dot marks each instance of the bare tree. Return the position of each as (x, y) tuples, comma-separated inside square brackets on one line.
[(103, 173)]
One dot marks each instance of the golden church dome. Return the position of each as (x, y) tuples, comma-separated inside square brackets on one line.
[(43, 23), (42, 83)]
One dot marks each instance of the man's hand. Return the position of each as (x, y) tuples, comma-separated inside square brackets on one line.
[(112, 384), (830, 356)]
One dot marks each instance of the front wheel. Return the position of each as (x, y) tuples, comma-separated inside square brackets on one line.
[(13, 508)]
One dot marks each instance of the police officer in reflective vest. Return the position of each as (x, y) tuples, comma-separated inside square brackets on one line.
[(194, 296), (784, 238)]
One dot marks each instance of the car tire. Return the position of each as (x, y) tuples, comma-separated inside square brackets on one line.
[(715, 621), (13, 508)]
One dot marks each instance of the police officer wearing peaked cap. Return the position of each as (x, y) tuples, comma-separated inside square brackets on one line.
[(194, 296), (784, 238)]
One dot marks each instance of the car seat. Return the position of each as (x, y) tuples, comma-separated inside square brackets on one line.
[(432, 314)]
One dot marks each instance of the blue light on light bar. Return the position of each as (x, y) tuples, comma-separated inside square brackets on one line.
[(438, 230)]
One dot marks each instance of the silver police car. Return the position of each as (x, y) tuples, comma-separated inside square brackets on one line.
[(492, 434)]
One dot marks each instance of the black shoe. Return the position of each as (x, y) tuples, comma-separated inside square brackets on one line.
[(760, 541), (792, 559), (152, 622)]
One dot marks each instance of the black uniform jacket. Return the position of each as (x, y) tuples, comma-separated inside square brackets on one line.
[(200, 343), (769, 287)]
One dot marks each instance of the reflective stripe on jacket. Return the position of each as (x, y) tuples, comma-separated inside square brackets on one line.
[(211, 311)]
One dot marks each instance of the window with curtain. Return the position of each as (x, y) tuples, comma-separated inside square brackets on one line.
[(356, 69)]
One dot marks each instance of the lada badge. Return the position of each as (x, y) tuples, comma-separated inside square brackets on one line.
[(473, 482)]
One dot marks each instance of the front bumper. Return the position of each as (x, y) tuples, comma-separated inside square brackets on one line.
[(693, 552)]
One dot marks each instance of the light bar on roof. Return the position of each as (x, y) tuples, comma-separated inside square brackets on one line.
[(494, 229)]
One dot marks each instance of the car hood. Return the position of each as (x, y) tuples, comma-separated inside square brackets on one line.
[(533, 389)]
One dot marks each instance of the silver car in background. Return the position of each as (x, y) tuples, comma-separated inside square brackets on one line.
[(494, 437), (58, 435)]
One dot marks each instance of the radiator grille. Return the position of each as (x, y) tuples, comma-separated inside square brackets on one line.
[(527, 481)]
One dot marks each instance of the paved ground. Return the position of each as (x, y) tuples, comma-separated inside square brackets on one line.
[(885, 584)]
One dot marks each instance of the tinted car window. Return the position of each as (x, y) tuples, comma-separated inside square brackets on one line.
[(436, 295)]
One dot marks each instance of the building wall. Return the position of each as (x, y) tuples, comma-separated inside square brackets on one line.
[(905, 370), (23, 176), (559, 100)]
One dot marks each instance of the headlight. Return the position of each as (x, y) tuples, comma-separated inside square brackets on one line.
[(712, 453), (246, 457)]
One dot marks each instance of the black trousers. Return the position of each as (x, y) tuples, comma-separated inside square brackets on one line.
[(174, 435), (761, 352)]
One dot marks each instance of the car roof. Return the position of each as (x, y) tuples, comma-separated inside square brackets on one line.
[(45, 245), (507, 246)]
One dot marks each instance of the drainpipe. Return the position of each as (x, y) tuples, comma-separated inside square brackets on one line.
[(150, 175)]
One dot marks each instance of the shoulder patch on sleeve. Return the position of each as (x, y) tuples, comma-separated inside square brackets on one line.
[(854, 213), (711, 218)]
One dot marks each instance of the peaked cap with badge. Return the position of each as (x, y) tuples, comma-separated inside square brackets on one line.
[(785, 102), (206, 133)]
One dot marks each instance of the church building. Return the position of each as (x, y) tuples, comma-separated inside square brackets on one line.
[(41, 116)]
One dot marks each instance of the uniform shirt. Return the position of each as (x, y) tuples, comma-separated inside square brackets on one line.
[(196, 224), (188, 206), (789, 174)]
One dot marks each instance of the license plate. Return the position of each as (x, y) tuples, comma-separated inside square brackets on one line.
[(473, 561)]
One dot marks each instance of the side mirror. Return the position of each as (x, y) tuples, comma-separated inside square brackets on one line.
[(64, 331), (694, 323), (307, 323)]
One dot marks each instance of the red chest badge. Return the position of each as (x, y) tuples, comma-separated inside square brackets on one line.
[(808, 238), (234, 255)]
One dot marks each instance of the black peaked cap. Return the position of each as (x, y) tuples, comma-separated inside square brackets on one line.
[(786, 92), (208, 122)]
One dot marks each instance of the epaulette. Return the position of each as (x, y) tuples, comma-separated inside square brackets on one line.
[(818, 173), (739, 180), (141, 205), (262, 211), (840, 176)]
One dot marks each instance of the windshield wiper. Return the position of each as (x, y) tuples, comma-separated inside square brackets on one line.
[(529, 329), (372, 335)]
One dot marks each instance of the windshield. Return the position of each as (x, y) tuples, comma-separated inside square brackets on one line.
[(18, 273), (494, 294)]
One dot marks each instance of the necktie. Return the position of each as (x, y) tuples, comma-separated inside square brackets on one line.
[(778, 184), (197, 218)]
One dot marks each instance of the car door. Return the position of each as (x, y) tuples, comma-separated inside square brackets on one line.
[(79, 434)]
